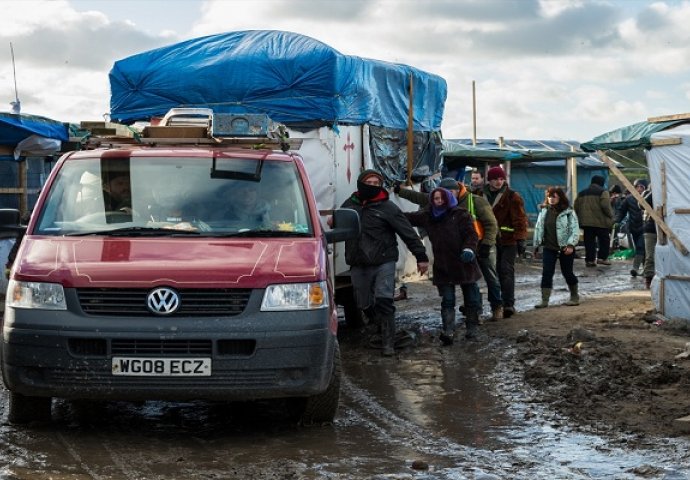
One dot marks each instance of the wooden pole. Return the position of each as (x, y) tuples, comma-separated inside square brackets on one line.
[(410, 134), (643, 203), (474, 116)]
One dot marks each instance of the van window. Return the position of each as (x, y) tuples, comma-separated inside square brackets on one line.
[(91, 196)]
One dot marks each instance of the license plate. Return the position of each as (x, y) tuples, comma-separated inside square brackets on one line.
[(161, 367)]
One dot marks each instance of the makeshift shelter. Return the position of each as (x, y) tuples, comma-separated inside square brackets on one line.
[(533, 165), (26, 141), (295, 80), (666, 143)]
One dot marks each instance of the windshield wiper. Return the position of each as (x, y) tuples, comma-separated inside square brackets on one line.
[(265, 233), (136, 231)]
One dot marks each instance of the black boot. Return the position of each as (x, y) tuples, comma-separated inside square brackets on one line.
[(386, 314), (388, 335), (472, 322), (448, 329)]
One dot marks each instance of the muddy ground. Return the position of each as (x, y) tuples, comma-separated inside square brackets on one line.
[(519, 403), (609, 364)]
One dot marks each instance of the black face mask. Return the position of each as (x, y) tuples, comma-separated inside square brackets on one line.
[(367, 192)]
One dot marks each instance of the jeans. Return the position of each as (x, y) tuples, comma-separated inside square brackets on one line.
[(493, 286), (470, 294), (638, 242), (549, 259), (596, 237), (505, 264)]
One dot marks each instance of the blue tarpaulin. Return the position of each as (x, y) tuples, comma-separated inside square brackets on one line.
[(16, 127), (293, 78)]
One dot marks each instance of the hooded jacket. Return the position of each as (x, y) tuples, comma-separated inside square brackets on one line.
[(593, 207)]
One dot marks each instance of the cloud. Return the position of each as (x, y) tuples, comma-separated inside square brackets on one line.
[(52, 34)]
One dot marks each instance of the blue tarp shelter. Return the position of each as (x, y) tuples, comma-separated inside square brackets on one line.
[(293, 78)]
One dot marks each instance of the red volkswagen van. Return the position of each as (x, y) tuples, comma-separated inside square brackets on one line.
[(192, 271)]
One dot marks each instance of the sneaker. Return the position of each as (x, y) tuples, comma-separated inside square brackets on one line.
[(603, 261), (633, 273), (508, 312), (590, 264), (401, 295), (446, 340)]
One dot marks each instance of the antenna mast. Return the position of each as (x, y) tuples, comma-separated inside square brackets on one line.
[(16, 105)]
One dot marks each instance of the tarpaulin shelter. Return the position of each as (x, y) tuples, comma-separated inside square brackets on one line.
[(533, 165), (666, 145), (294, 79), (25, 142)]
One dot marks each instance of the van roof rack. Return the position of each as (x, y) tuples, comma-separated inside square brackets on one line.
[(193, 127)]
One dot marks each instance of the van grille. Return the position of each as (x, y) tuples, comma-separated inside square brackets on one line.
[(137, 346), (193, 303)]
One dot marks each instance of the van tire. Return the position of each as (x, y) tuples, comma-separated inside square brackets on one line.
[(24, 409), (322, 408)]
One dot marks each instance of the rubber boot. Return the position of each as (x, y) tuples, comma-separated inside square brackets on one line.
[(574, 296), (472, 321), (388, 334), (545, 295), (637, 261), (448, 330)]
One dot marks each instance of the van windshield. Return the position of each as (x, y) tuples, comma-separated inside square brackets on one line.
[(170, 196)]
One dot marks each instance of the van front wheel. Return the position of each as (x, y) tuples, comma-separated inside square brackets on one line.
[(24, 409), (322, 408)]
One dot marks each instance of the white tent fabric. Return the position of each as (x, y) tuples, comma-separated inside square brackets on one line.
[(670, 164)]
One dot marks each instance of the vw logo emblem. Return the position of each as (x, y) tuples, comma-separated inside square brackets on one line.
[(163, 301)]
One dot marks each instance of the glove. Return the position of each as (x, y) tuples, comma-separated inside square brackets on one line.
[(484, 250), (521, 247), (467, 255), (396, 187)]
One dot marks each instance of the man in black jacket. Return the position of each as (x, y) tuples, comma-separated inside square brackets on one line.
[(631, 209), (372, 255)]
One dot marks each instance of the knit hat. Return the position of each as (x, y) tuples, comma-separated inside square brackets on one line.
[(495, 173), (368, 173), (640, 181), (449, 184), (616, 189), (598, 180)]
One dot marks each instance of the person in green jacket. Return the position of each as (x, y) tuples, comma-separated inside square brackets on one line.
[(557, 230), (481, 211)]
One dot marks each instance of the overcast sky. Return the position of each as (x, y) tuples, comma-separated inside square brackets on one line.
[(544, 69)]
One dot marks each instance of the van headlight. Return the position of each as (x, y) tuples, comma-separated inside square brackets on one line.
[(295, 296), (44, 296)]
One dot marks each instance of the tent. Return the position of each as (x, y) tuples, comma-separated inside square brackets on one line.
[(533, 165), (666, 143)]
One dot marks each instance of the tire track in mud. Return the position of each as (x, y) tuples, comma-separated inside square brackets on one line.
[(393, 429), (71, 449)]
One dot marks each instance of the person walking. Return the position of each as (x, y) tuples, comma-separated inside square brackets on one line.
[(509, 210), (485, 226), (557, 231), (454, 244), (593, 210), (373, 254), (631, 209), (649, 241)]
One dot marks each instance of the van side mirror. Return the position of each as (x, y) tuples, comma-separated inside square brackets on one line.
[(9, 221), (345, 226)]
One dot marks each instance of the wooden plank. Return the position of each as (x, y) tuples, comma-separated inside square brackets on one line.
[(669, 118), (680, 278), (643, 203), (662, 142), (681, 211)]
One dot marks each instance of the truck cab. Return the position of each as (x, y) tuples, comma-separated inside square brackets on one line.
[(175, 269)]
